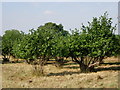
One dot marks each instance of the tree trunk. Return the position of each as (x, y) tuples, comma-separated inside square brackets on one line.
[(5, 60), (38, 67), (59, 61), (101, 60), (85, 68), (27, 61)]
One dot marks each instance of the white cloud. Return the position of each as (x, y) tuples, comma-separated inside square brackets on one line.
[(48, 12)]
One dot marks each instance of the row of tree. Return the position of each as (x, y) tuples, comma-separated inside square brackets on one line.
[(87, 46), (0, 45)]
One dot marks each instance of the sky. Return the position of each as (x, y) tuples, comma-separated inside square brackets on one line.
[(27, 15), (119, 18)]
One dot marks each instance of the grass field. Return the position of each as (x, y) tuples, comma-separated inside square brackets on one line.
[(19, 75)]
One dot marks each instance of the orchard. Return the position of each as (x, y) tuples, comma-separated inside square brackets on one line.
[(87, 47)]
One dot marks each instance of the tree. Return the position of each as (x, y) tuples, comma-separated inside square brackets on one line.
[(0, 45), (60, 50), (8, 40), (38, 44), (94, 43), (87, 48), (55, 34), (118, 46), (19, 47), (102, 36)]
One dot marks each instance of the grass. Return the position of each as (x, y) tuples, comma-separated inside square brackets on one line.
[(19, 75)]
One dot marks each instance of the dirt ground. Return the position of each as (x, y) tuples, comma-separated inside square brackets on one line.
[(19, 75)]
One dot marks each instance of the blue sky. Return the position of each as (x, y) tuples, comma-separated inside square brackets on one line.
[(27, 15)]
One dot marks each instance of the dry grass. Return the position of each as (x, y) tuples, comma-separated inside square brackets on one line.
[(19, 75)]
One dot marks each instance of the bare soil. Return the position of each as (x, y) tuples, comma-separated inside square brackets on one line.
[(19, 75)]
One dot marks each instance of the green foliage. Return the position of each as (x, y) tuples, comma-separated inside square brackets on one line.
[(95, 42), (117, 48), (20, 47), (40, 42), (0, 45), (8, 40), (102, 39)]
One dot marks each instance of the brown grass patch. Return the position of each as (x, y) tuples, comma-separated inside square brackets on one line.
[(19, 75)]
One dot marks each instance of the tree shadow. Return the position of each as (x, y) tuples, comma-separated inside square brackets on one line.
[(70, 64), (112, 63), (99, 68), (108, 68), (49, 63), (63, 73), (53, 62), (72, 67), (76, 67), (114, 68)]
